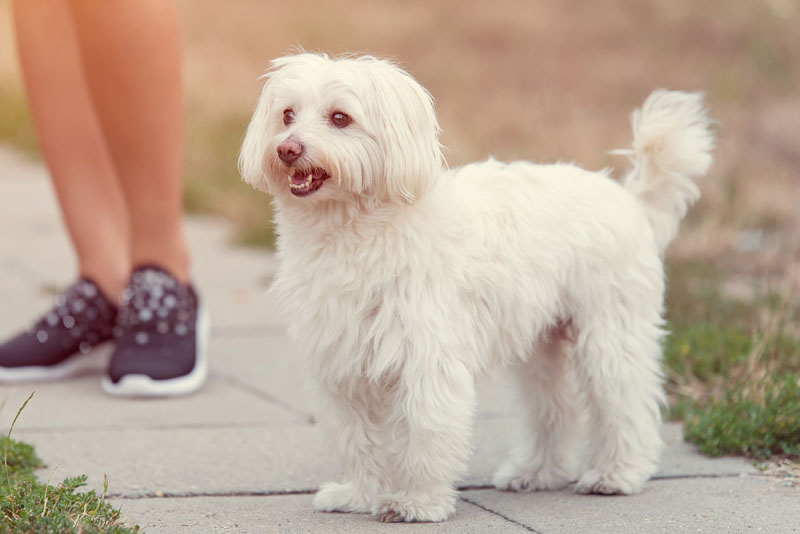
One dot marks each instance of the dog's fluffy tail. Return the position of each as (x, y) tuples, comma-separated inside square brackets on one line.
[(672, 142)]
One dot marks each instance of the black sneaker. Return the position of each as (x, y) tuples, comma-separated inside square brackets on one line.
[(161, 337), (72, 338)]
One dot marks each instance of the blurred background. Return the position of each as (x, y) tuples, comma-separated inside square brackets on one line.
[(543, 81)]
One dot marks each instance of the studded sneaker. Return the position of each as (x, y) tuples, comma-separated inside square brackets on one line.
[(71, 338), (161, 336)]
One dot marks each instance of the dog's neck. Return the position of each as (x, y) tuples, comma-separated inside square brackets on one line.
[(355, 211)]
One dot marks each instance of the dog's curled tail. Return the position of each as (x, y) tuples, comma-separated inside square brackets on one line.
[(672, 142)]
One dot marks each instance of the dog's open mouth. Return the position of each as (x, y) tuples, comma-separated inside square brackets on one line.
[(303, 182)]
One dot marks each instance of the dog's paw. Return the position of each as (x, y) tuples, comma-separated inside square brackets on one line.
[(608, 483), (335, 497), (511, 477), (405, 509)]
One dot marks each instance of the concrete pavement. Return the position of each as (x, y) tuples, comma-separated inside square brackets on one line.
[(244, 455)]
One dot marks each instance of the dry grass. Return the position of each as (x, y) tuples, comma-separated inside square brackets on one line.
[(536, 80), (785, 471)]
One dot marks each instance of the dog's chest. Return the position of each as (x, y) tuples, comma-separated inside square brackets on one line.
[(339, 302)]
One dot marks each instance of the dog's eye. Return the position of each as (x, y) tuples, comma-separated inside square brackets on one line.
[(288, 116), (340, 120)]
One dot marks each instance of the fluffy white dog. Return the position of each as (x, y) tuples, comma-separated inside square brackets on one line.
[(403, 281)]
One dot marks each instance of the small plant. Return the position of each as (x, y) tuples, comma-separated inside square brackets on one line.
[(20, 460), (28, 507), (733, 368), (756, 424)]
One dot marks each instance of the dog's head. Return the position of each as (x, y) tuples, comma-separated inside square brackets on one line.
[(334, 128)]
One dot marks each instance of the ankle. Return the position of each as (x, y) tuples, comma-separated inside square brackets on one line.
[(111, 279), (174, 259)]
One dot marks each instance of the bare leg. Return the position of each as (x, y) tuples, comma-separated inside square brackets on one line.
[(132, 60), (72, 142)]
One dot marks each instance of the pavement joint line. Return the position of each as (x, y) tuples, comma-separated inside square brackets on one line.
[(657, 478), (311, 491), (199, 495), (263, 395), (150, 427), (251, 330), (498, 514), (252, 493), (705, 475)]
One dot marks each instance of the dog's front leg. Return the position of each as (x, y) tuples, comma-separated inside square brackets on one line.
[(431, 428), (348, 413)]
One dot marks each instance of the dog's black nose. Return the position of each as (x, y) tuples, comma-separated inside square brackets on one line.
[(289, 151)]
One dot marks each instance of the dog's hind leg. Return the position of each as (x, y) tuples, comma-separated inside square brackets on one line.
[(618, 359), (355, 429), (545, 448)]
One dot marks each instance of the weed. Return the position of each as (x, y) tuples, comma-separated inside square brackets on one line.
[(20, 461), (741, 424), (732, 367), (28, 507)]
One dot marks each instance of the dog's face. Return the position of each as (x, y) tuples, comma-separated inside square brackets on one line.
[(341, 128)]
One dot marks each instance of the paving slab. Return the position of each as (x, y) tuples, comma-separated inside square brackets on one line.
[(681, 459), (215, 458), (288, 514), (747, 503), (189, 461), (267, 365), (248, 455), (678, 459), (233, 280), (79, 404)]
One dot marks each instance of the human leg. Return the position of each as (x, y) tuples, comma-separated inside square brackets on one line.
[(132, 61), (69, 338), (72, 142)]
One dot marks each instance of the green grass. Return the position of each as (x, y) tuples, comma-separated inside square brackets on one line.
[(21, 460), (756, 424), (27, 506), (733, 367)]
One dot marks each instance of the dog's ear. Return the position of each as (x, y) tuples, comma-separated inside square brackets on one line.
[(408, 134), (252, 157)]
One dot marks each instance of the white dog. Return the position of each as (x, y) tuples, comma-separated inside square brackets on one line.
[(403, 281)]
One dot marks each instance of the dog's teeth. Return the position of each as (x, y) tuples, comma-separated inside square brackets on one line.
[(309, 179)]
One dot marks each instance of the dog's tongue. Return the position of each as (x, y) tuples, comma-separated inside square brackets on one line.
[(300, 177)]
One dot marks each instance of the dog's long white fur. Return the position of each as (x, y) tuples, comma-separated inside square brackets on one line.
[(403, 281)]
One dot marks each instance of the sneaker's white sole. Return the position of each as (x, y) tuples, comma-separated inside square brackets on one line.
[(95, 361), (144, 386)]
